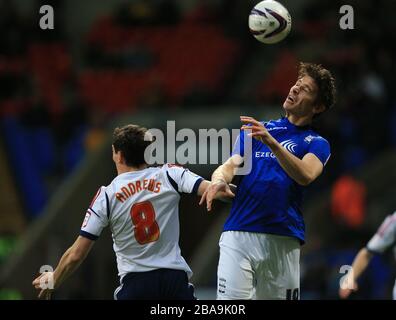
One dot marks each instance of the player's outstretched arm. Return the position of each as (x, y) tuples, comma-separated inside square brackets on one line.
[(225, 196), (359, 265), (221, 178), (303, 171), (69, 262)]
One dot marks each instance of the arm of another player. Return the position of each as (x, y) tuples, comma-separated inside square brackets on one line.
[(383, 239), (359, 265), (69, 262), (221, 178), (224, 196), (303, 171)]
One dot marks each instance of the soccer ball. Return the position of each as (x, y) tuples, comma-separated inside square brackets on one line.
[(269, 22)]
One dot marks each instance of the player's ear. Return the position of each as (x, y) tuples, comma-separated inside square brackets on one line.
[(121, 158), (117, 156)]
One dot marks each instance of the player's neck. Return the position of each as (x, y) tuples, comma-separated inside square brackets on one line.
[(299, 121), (121, 168)]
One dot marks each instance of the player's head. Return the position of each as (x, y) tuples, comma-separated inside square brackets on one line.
[(129, 144), (313, 93)]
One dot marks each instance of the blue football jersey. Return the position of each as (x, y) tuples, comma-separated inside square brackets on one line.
[(267, 199)]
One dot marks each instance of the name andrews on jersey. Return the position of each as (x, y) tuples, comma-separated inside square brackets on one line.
[(137, 186)]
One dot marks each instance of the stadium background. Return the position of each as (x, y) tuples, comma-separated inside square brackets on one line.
[(114, 62)]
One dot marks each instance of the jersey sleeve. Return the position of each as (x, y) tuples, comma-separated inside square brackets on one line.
[(239, 145), (385, 236), (182, 179), (320, 147), (96, 217)]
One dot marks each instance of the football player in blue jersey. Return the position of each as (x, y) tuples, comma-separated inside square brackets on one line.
[(261, 239)]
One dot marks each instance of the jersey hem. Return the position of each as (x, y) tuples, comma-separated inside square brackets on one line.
[(302, 240)]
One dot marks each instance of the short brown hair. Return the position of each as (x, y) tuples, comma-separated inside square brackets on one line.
[(323, 79), (130, 141)]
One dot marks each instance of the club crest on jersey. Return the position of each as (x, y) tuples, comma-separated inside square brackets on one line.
[(289, 145), (309, 138)]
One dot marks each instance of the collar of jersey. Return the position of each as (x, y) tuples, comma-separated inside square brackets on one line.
[(290, 125)]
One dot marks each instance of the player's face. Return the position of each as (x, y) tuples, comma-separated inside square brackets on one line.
[(302, 96)]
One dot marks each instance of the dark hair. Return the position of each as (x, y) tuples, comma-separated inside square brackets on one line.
[(323, 79), (130, 141)]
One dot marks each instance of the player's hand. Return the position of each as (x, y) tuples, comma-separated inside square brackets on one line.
[(259, 132), (228, 195), (42, 283), (345, 292), (216, 189)]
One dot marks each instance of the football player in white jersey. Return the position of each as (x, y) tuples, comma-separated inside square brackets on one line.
[(141, 208), (384, 238)]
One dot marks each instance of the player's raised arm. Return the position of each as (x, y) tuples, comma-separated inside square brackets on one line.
[(225, 196), (69, 262), (221, 178), (188, 182)]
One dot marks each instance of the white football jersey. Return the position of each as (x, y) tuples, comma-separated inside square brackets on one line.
[(385, 236), (142, 210)]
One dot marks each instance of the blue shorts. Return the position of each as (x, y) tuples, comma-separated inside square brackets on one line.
[(159, 284)]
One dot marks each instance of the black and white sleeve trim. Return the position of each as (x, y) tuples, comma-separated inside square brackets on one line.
[(88, 235), (373, 252), (196, 185), (107, 206), (173, 182), (93, 211)]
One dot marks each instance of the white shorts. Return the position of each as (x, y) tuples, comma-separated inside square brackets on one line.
[(258, 266)]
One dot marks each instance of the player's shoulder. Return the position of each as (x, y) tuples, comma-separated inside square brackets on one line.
[(388, 223), (172, 167), (170, 170), (311, 137), (177, 171), (272, 122), (99, 196), (391, 218), (104, 190)]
